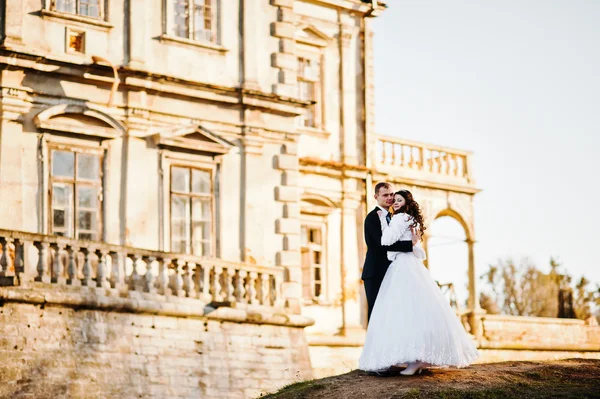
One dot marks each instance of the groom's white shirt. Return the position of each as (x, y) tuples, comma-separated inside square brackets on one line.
[(385, 211)]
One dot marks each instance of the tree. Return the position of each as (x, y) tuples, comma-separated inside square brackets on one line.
[(523, 290)]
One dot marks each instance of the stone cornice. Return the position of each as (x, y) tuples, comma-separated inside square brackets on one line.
[(340, 170), (138, 79), (349, 5), (173, 306)]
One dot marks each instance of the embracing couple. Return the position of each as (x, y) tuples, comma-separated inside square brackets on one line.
[(410, 321)]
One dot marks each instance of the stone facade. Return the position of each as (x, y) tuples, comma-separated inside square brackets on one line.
[(201, 164), (62, 352)]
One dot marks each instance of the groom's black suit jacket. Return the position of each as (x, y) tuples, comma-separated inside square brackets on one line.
[(376, 261)]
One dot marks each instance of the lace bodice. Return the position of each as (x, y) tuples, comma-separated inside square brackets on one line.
[(399, 230)]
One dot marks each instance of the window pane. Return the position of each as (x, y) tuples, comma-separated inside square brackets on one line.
[(180, 224), (206, 249), (62, 209), (317, 290), (87, 197), (317, 274), (202, 20), (86, 220), (63, 164), (180, 179), (88, 167), (62, 195), (66, 6), (201, 231), (200, 181), (87, 236), (181, 18), (201, 209), (90, 8), (178, 245), (317, 258), (179, 207)]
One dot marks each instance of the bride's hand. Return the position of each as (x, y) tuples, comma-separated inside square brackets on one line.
[(379, 213), (416, 233)]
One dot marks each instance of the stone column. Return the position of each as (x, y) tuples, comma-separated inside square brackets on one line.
[(350, 259), (473, 301), (425, 245), (348, 95), (17, 171), (250, 10), (137, 34)]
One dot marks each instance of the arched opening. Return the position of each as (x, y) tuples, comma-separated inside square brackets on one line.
[(448, 259)]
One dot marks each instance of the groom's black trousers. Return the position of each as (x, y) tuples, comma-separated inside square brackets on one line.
[(371, 290)]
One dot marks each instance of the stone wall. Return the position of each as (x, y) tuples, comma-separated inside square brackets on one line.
[(49, 350)]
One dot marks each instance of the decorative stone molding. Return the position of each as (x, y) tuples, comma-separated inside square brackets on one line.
[(284, 60), (195, 138), (14, 103), (289, 225), (56, 118)]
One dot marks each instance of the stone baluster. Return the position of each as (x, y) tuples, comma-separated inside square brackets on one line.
[(117, 276), (383, 154), (188, 279), (58, 269), (453, 165), (19, 263), (240, 289), (149, 283), (401, 157), (263, 292), (42, 266), (6, 263), (162, 281), (101, 271), (463, 167), (393, 154), (412, 161), (448, 168), (230, 284), (251, 288), (205, 283), (87, 267), (177, 279), (438, 162), (215, 283), (72, 266), (134, 281)]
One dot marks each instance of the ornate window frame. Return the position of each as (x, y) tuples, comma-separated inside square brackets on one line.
[(170, 36), (312, 45)]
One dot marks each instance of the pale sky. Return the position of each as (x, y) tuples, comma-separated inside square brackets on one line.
[(518, 83)]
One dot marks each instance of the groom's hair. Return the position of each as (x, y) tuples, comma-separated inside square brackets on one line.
[(381, 185)]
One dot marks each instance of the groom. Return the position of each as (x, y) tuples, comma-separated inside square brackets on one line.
[(376, 261)]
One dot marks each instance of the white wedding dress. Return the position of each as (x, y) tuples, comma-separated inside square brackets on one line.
[(411, 320)]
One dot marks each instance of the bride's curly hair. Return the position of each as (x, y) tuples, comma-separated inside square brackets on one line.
[(411, 208)]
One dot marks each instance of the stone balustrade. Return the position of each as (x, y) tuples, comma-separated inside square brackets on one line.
[(27, 258), (445, 164)]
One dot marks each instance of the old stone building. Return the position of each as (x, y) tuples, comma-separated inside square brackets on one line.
[(182, 189)]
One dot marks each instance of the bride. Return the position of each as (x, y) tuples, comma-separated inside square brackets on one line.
[(412, 322)]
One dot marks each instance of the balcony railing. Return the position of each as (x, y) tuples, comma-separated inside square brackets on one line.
[(122, 271), (420, 159)]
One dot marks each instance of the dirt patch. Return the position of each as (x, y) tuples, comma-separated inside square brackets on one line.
[(572, 378)]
